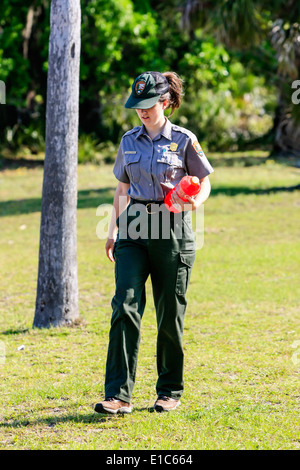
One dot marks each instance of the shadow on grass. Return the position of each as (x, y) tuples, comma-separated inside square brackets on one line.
[(18, 331), (235, 190), (236, 158), (86, 199), (15, 163), (236, 161), (93, 198), (52, 421)]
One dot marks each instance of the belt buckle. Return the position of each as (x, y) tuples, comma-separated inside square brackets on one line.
[(147, 209)]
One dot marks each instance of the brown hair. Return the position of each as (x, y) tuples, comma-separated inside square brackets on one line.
[(175, 92)]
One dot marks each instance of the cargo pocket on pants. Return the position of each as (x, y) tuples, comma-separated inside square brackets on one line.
[(185, 263)]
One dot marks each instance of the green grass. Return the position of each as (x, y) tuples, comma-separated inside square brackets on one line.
[(241, 369)]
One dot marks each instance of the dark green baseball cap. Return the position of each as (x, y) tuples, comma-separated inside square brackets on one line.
[(147, 88)]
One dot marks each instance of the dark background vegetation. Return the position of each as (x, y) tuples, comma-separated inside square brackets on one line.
[(238, 60)]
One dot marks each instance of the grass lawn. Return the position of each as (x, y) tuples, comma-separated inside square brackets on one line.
[(242, 327)]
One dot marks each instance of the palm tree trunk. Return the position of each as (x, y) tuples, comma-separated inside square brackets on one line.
[(287, 134), (57, 287)]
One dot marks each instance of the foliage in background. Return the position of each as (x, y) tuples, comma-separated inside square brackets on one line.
[(226, 104), (252, 25), (230, 95)]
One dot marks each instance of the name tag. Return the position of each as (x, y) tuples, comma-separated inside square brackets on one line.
[(131, 152)]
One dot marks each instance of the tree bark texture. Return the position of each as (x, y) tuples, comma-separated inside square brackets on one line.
[(287, 136), (57, 286)]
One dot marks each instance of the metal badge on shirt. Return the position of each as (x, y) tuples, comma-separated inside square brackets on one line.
[(173, 147), (170, 149)]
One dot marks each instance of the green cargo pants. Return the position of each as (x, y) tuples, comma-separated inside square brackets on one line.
[(160, 244)]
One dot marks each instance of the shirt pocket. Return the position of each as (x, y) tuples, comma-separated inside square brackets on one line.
[(132, 166), (170, 166)]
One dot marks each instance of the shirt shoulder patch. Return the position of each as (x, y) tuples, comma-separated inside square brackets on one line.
[(198, 148)]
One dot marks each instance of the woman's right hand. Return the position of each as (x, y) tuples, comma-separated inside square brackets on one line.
[(119, 205), (109, 248)]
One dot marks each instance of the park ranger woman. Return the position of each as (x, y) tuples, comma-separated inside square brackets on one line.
[(151, 160)]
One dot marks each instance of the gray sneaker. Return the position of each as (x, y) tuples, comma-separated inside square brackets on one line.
[(113, 405), (164, 403)]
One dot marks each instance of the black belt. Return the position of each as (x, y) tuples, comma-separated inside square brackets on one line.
[(147, 204)]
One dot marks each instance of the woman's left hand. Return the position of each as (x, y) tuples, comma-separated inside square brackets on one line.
[(189, 205)]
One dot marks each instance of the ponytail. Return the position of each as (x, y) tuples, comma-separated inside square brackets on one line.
[(175, 93)]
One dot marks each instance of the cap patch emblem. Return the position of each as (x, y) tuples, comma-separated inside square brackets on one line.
[(198, 148), (140, 86)]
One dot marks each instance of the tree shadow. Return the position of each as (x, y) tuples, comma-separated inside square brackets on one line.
[(244, 159), (86, 199), (92, 198), (18, 331), (52, 421), (16, 163), (235, 190), (234, 161)]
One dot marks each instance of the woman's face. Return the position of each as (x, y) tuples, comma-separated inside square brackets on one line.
[(153, 117)]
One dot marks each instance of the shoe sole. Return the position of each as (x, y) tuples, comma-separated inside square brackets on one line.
[(99, 408), (160, 408)]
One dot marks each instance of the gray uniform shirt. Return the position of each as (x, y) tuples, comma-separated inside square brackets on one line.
[(153, 167)]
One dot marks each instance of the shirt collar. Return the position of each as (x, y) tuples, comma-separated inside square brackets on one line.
[(166, 132), (142, 131)]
